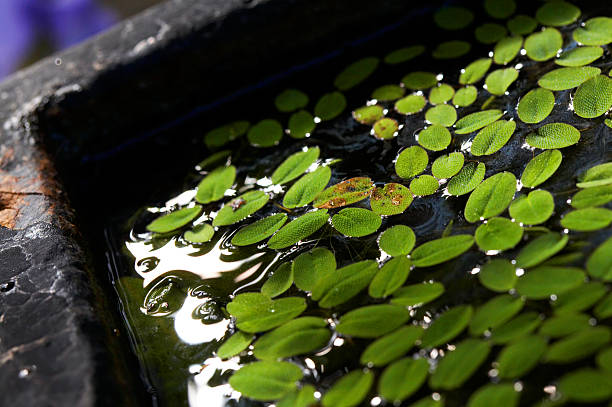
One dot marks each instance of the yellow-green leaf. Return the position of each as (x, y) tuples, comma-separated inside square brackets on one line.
[(392, 199), (411, 161), (307, 188), (553, 135), (467, 179), (356, 73), (493, 137), (536, 105), (440, 250), (543, 45), (356, 222), (259, 230), (298, 229), (541, 167), (174, 220), (241, 207)]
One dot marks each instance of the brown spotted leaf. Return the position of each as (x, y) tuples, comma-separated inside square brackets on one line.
[(344, 193)]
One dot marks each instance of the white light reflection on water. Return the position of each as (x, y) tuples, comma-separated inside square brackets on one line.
[(200, 394), (171, 258), (191, 330)]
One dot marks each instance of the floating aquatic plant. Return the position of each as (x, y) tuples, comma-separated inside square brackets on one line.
[(174, 220)]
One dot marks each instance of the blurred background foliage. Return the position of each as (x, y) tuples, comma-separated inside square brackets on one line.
[(33, 29)]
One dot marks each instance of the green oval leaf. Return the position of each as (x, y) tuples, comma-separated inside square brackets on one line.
[(330, 105), (596, 31), (507, 49), (520, 326), (213, 159), (451, 49), (567, 78), (599, 263), (295, 165), (301, 124), (305, 397), (307, 188), (397, 240), (541, 167), (540, 249), (356, 73), (174, 220), (564, 324), (259, 230), (536, 105), (494, 313), (448, 325), (441, 94), (453, 18), (578, 345), (410, 104), (498, 275), (587, 219), (534, 208), (498, 234), (476, 121), (266, 380), (448, 165), (417, 294), (495, 395), (390, 277), (239, 208), (521, 24), (465, 96), (435, 137), (493, 137), (553, 135), (594, 97), (255, 312), (340, 286), (459, 365), (467, 179), (604, 359), (474, 71), (604, 308), (356, 222), (344, 193), (543, 45), (579, 298), (424, 185), (266, 133), (404, 54), (590, 197), (489, 33), (579, 56), (235, 344), (500, 8), (309, 267), (419, 80), (298, 229), (443, 115), (372, 321), (440, 250), (411, 161), (385, 128), (491, 197), (226, 133), (498, 81), (586, 386), (401, 379), (290, 100), (349, 390), (279, 281), (201, 233), (391, 346), (521, 356), (557, 13), (392, 199), (544, 281), (368, 114), (596, 176), (213, 186), (386, 93), (302, 335)]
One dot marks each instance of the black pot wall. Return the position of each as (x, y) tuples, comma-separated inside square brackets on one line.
[(61, 338)]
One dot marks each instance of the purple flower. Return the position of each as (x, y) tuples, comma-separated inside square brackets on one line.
[(60, 22)]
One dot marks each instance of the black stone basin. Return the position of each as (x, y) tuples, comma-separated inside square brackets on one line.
[(88, 131)]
